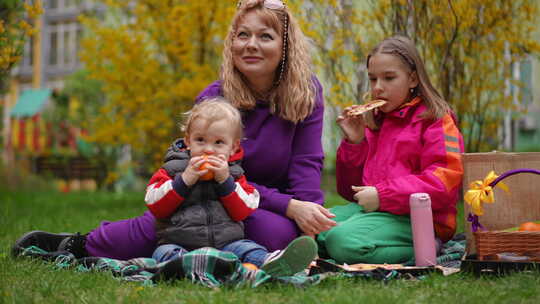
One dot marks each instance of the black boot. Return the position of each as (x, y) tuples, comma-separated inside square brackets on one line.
[(75, 244), (51, 242)]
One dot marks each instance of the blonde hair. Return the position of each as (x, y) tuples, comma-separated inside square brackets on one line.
[(214, 109), (293, 95), (403, 48)]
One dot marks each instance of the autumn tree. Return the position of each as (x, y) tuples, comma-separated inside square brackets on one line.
[(153, 57), (14, 31), (337, 33), (15, 28), (469, 48)]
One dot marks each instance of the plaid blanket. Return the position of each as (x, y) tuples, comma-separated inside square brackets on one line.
[(214, 268), (207, 266), (451, 252)]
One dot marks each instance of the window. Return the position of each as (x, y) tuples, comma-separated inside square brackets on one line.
[(527, 123), (66, 50), (53, 50), (525, 76), (63, 44), (62, 4), (78, 38), (70, 3), (53, 4), (28, 58)]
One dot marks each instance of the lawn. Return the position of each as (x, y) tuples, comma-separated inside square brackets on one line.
[(26, 281)]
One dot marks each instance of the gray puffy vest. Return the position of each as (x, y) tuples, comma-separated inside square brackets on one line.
[(201, 220)]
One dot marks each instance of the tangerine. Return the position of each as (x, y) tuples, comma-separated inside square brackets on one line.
[(208, 175), (529, 226), (250, 266)]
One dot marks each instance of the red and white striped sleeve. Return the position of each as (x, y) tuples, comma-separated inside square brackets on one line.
[(238, 197), (164, 194)]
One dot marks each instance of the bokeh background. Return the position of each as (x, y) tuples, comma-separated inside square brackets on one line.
[(92, 91)]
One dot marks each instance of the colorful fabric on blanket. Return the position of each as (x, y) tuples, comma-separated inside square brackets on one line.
[(207, 266), (214, 268), (451, 252)]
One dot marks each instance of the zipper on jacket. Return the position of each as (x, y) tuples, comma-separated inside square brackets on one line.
[(209, 219)]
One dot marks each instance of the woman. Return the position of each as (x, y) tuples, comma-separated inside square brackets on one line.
[(266, 74)]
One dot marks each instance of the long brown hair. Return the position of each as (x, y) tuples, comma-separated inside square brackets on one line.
[(293, 94), (404, 48)]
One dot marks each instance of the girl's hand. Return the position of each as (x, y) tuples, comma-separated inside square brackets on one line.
[(311, 218), (368, 197), (192, 173), (220, 166), (352, 126)]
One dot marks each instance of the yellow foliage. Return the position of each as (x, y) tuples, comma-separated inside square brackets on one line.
[(33, 9), (337, 29), (152, 65), (154, 62), (13, 32), (463, 43)]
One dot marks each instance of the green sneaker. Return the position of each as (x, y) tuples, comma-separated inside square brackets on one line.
[(293, 259)]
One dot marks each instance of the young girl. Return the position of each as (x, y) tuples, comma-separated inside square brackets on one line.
[(410, 144)]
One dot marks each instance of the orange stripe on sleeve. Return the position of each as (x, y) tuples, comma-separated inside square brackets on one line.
[(445, 231), (451, 175)]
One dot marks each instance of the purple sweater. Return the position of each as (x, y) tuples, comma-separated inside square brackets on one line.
[(282, 160)]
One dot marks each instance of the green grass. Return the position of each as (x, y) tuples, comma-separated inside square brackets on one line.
[(27, 281)]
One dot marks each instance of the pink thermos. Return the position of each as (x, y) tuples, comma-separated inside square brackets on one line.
[(422, 229)]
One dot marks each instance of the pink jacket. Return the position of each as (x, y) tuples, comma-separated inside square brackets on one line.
[(408, 154)]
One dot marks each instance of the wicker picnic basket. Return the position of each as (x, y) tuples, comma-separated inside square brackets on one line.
[(489, 243)]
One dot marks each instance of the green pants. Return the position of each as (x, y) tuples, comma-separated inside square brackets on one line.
[(360, 237)]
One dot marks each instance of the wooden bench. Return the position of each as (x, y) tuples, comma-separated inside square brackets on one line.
[(70, 168)]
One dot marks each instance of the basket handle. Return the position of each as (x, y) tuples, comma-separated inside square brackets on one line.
[(473, 218), (513, 172)]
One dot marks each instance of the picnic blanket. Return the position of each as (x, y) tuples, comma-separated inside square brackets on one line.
[(214, 268)]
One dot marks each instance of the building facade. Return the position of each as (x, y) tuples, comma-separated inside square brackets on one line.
[(54, 48), (48, 57)]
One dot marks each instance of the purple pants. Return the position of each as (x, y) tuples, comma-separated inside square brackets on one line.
[(136, 237)]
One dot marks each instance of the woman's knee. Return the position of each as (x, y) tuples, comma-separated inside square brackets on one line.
[(270, 230), (124, 239)]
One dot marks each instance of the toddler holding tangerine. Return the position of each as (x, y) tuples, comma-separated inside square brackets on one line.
[(200, 196)]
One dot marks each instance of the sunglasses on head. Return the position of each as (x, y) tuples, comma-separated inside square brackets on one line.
[(270, 4)]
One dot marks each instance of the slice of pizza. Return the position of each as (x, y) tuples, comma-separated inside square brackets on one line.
[(354, 267), (370, 105)]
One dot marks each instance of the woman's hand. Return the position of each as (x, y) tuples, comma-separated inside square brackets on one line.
[(367, 197), (310, 217), (352, 126)]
